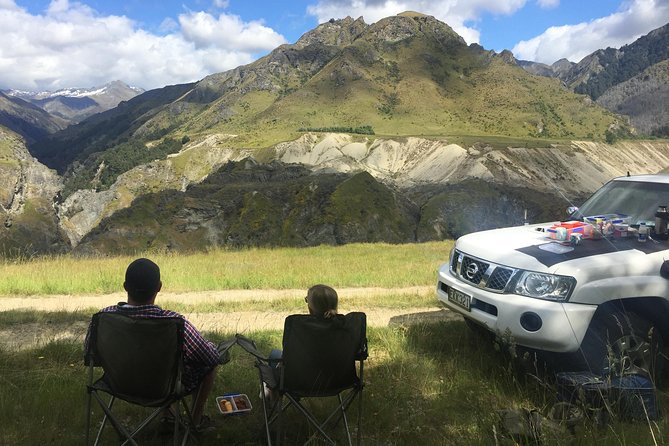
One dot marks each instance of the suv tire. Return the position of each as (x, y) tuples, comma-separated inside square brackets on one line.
[(618, 343)]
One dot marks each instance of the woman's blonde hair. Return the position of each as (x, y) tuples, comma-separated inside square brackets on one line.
[(322, 301)]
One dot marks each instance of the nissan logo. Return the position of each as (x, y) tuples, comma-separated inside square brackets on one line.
[(471, 271)]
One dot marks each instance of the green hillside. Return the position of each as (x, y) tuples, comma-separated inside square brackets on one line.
[(407, 75), (429, 83), (617, 66)]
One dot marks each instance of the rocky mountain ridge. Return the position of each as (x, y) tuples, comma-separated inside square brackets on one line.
[(403, 75), (630, 80), (644, 99), (76, 104), (26, 119)]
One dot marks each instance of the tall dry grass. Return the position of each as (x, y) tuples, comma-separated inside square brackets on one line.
[(354, 265)]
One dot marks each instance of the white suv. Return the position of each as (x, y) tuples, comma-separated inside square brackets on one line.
[(604, 302)]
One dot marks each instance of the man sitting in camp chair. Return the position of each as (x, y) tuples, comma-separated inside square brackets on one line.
[(200, 357)]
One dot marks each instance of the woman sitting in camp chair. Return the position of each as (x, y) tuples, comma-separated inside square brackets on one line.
[(318, 360), (322, 301)]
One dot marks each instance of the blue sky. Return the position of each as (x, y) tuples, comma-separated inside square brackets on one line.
[(152, 43)]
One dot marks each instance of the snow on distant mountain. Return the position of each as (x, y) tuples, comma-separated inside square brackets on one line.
[(111, 88), (77, 104)]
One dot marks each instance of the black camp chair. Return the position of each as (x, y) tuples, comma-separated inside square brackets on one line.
[(142, 363), (319, 360)]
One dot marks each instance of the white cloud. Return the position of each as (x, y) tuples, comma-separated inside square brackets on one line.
[(635, 19), (168, 25), (8, 5), (227, 31), (71, 45), (455, 13), (548, 4)]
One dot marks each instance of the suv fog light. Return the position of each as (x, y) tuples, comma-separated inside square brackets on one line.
[(530, 321)]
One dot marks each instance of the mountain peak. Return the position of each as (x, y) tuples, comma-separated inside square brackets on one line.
[(412, 24), (340, 32), (76, 104), (411, 14)]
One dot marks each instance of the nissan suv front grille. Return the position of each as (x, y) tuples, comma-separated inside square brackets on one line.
[(480, 273), (472, 270)]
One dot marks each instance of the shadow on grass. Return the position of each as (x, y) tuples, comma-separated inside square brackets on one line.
[(17, 317), (427, 383)]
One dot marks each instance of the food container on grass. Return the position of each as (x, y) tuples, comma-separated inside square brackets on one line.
[(233, 403)]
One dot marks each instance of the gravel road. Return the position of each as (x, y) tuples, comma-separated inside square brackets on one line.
[(32, 334)]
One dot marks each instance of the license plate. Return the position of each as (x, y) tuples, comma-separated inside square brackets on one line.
[(459, 298)]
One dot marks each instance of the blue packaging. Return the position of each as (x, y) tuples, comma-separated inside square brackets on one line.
[(630, 397), (635, 397)]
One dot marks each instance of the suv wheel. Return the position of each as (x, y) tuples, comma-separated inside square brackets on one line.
[(622, 343)]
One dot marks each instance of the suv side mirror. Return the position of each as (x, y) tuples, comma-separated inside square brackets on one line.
[(571, 210)]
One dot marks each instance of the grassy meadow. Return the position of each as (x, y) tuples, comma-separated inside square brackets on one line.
[(354, 265), (435, 383)]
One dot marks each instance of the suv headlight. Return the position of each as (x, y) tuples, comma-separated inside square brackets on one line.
[(544, 286)]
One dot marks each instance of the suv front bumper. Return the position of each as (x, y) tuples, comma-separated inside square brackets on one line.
[(535, 323)]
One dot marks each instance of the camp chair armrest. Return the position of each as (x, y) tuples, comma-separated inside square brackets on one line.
[(223, 349), (250, 347)]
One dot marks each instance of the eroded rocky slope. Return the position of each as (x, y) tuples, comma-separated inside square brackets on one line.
[(28, 191), (320, 188), (578, 167), (435, 189)]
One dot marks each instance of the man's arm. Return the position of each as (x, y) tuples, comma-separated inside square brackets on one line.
[(197, 348)]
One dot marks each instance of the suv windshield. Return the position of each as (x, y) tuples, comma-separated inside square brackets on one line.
[(637, 199)]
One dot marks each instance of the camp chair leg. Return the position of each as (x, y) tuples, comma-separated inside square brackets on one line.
[(340, 413), (177, 420), (187, 423), (266, 414), (345, 418), (275, 415), (177, 423), (144, 423), (312, 420), (361, 376), (88, 418), (104, 418), (88, 404), (280, 421), (359, 433), (108, 415)]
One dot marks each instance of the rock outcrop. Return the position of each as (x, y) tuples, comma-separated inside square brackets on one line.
[(83, 211), (579, 167), (28, 193)]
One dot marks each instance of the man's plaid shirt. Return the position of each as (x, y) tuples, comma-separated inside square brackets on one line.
[(200, 355)]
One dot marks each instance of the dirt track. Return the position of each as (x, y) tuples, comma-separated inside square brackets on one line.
[(32, 334)]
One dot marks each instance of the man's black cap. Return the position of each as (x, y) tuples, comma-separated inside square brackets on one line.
[(142, 276)]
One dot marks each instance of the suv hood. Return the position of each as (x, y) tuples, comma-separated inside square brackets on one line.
[(501, 246), (504, 246), (519, 246)]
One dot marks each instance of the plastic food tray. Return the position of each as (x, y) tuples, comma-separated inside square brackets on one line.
[(233, 403), (613, 218)]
